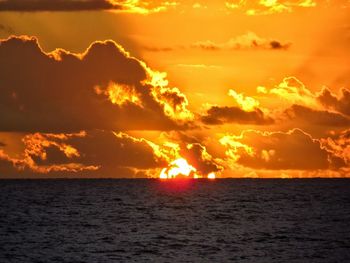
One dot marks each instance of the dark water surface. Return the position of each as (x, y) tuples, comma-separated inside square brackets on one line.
[(161, 221)]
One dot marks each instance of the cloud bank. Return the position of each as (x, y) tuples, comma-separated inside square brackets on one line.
[(73, 115), (138, 6), (56, 5), (279, 151), (102, 88)]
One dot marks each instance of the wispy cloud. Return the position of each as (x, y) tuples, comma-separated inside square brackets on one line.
[(266, 7)]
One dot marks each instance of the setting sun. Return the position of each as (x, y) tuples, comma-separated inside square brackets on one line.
[(211, 176), (178, 168)]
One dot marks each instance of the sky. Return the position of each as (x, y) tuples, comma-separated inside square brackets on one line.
[(148, 89)]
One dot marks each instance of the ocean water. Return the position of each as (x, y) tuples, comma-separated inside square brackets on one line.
[(228, 220)]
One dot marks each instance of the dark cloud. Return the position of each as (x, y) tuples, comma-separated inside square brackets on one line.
[(112, 150), (339, 144), (7, 169), (197, 155), (91, 154), (56, 5), (221, 115), (103, 88), (331, 101), (304, 115), (274, 44), (207, 45), (295, 150), (140, 7), (247, 41), (2, 144), (97, 153)]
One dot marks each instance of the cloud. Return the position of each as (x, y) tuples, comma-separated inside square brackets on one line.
[(145, 6), (292, 150), (136, 6), (102, 88), (292, 90), (197, 155), (224, 114), (267, 7), (247, 41), (91, 154), (98, 153), (301, 114), (247, 111), (117, 149), (314, 112), (304, 108), (245, 102), (56, 5), (240, 171), (255, 7), (339, 103), (42, 154), (339, 144)]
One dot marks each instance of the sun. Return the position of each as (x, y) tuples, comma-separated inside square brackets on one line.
[(211, 175), (180, 168)]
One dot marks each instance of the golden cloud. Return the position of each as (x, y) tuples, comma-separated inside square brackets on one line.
[(247, 111), (303, 108), (339, 103), (292, 90), (279, 151), (102, 88), (339, 144), (267, 7)]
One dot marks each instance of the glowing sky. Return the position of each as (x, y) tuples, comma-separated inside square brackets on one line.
[(111, 88)]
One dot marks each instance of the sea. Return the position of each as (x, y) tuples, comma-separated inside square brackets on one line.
[(150, 220)]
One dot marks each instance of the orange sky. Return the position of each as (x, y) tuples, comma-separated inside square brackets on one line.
[(236, 88)]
